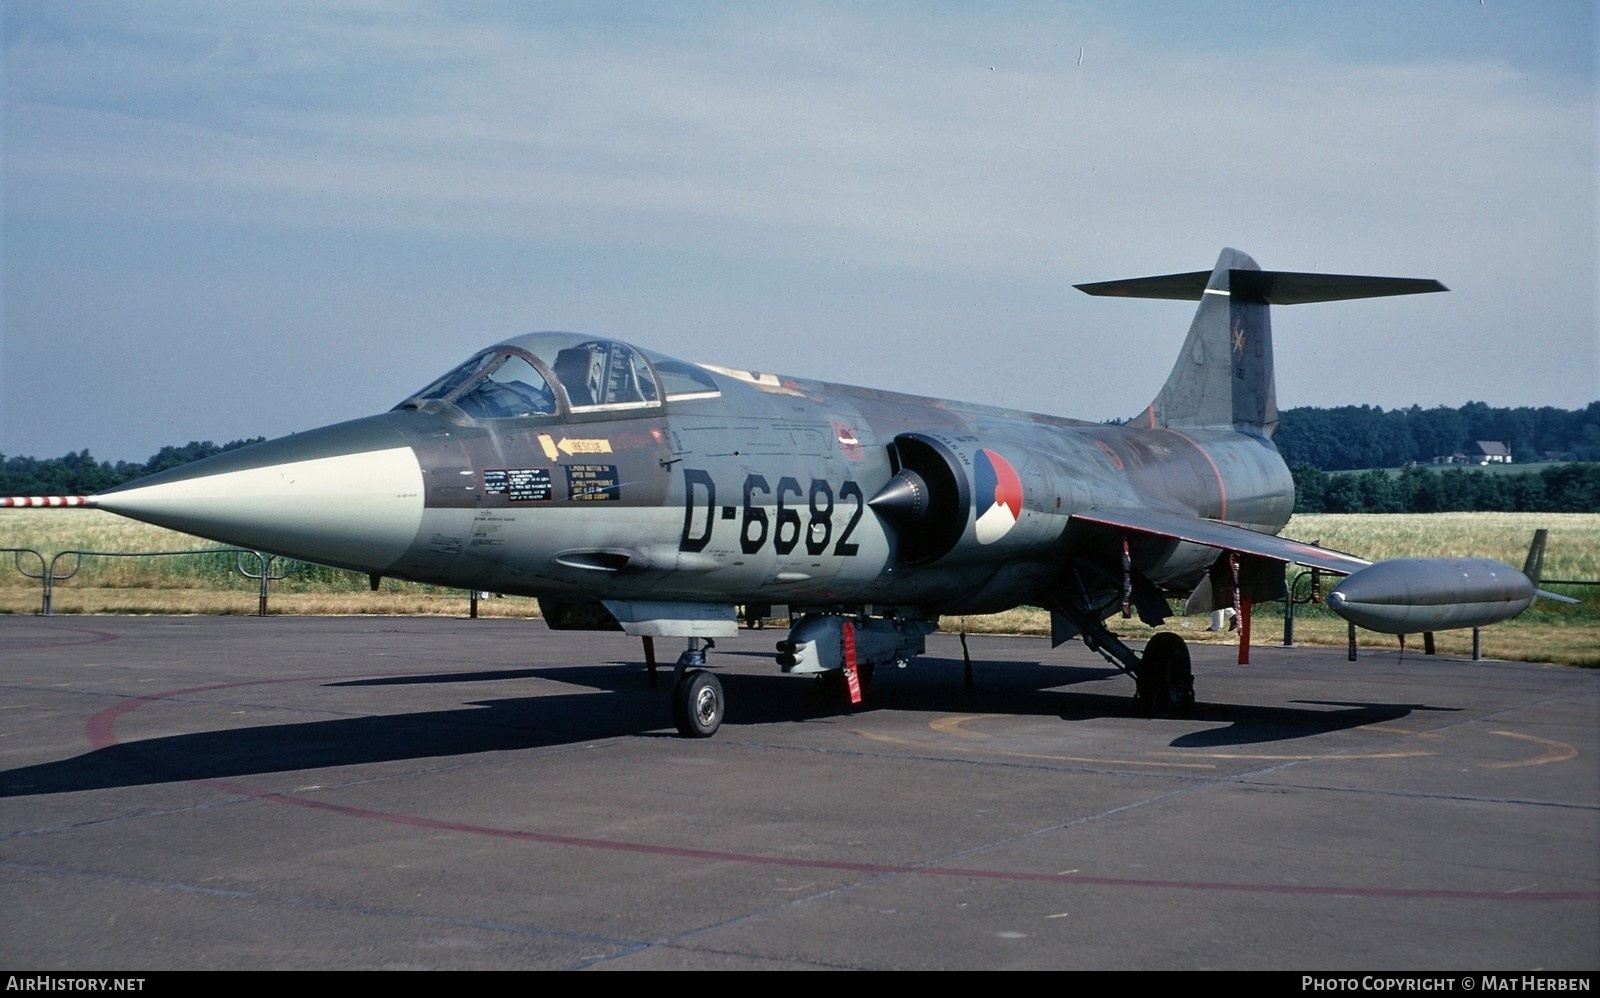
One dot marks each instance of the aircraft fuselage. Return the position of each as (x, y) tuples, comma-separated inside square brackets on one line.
[(755, 493)]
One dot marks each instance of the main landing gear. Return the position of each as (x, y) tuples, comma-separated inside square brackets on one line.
[(1164, 682), (1163, 678)]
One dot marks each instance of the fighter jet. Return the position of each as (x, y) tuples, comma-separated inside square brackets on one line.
[(627, 489)]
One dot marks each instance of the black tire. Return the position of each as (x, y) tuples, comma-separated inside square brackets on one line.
[(1150, 687), (698, 704), (1165, 686)]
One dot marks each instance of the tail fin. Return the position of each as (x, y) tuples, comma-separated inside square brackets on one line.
[(1223, 377), (1534, 566)]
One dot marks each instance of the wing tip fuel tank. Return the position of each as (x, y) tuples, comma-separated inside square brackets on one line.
[(1412, 595)]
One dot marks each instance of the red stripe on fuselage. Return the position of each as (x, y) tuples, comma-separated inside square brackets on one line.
[(1222, 487)]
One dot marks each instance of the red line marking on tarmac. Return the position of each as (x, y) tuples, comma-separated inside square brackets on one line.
[(98, 637), (100, 731), (101, 728)]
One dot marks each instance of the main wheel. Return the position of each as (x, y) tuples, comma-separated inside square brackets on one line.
[(1165, 685), (697, 704)]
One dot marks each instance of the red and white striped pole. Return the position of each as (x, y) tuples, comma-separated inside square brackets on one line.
[(44, 501)]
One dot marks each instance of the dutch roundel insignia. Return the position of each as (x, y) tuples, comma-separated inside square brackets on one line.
[(997, 494)]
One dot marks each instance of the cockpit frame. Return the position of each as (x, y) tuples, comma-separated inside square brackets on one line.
[(555, 376)]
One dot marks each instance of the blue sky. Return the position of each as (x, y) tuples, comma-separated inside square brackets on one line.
[(225, 220)]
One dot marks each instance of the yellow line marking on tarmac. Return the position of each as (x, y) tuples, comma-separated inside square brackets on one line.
[(953, 725), (1329, 756), (890, 740), (1278, 757), (957, 726), (1553, 752)]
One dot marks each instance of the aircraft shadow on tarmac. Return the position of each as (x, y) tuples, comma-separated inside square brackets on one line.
[(1033, 689), (618, 703)]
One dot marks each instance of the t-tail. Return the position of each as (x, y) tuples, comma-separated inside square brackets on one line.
[(1223, 376)]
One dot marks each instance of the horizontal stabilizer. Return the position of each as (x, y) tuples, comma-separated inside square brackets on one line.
[(1223, 376), (1275, 287)]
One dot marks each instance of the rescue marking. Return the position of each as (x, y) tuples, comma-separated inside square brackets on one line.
[(574, 445), (584, 445)]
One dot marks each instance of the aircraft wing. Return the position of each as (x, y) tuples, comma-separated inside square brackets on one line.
[(1213, 533)]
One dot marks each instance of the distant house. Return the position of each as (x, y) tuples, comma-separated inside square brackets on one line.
[(1489, 452), (1481, 452)]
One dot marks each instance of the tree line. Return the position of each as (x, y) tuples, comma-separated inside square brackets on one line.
[(80, 474), (1354, 437), (1317, 443), (1559, 488)]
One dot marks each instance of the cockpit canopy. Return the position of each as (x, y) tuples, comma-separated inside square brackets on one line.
[(545, 374)]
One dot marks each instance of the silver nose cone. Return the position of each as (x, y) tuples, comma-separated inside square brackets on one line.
[(348, 495)]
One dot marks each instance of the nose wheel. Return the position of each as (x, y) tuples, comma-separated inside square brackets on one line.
[(697, 700), (697, 704)]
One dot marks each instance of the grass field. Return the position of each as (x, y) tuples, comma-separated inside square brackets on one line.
[(210, 584)]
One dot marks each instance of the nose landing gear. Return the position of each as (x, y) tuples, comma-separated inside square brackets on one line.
[(697, 700)]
